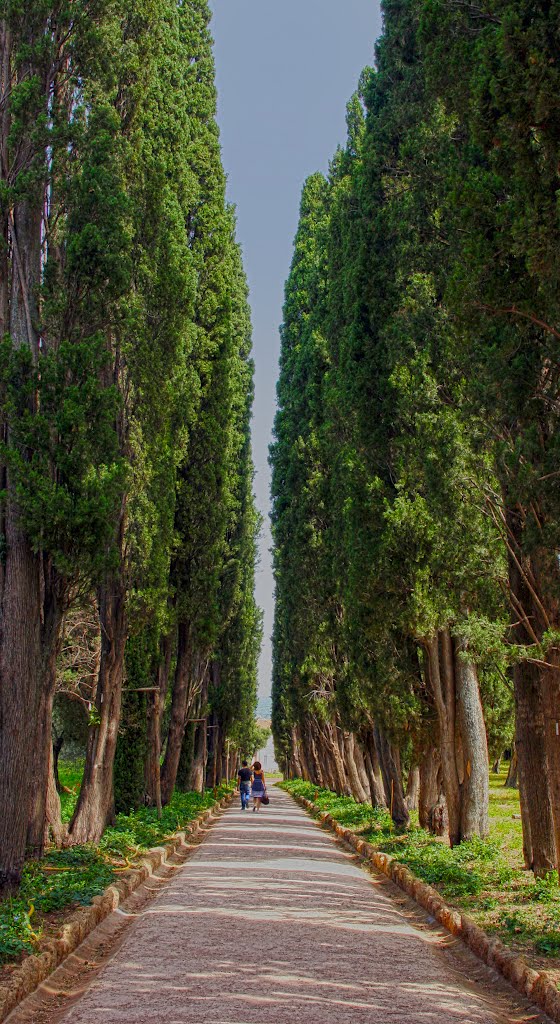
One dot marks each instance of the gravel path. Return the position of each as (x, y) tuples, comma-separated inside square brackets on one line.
[(270, 922)]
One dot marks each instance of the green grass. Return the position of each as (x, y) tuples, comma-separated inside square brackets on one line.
[(483, 877), (72, 877), (70, 773)]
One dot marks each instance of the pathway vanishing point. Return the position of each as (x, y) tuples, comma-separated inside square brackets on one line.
[(272, 922)]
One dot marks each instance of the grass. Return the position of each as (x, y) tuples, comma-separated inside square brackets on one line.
[(71, 877), (482, 877)]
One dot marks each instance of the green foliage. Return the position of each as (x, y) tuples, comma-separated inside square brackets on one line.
[(145, 829), (64, 878)]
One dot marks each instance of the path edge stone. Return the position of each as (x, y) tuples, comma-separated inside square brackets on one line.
[(36, 967), (538, 986)]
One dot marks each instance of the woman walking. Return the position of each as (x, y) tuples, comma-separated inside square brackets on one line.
[(258, 789)]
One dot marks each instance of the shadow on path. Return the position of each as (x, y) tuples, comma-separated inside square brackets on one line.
[(270, 922)]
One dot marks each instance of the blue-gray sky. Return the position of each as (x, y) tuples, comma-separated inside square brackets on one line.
[(285, 71)]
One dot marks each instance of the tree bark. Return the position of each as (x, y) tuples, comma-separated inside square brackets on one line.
[(44, 807), (413, 788), (551, 701), (442, 687), (361, 768), (358, 791), (539, 839), (55, 830), (180, 701), (198, 766), (95, 802), (539, 847), (336, 748), (389, 760), (155, 706), (470, 721), (20, 619), (511, 778), (429, 796), (371, 761)]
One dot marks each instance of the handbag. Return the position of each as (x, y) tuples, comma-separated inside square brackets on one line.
[(265, 799)]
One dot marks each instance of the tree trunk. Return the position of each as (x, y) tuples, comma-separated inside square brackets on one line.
[(539, 840), (302, 757), (180, 701), (439, 651), (550, 688), (470, 720), (361, 768), (20, 617), (429, 794), (413, 788), (199, 759), (42, 768), (55, 830), (95, 801), (335, 746), (295, 770), (155, 706), (198, 767), (539, 848), (316, 754), (511, 778), (371, 761), (392, 779), (358, 791)]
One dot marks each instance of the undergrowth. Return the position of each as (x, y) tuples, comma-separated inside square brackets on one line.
[(73, 876), (482, 877)]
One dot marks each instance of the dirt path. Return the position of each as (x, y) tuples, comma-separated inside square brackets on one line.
[(271, 922)]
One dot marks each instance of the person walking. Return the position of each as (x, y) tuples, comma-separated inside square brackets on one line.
[(258, 790), (244, 777)]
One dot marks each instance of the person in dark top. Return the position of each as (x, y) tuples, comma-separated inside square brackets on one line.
[(244, 777)]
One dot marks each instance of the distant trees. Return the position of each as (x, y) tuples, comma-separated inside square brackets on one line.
[(126, 390), (414, 461)]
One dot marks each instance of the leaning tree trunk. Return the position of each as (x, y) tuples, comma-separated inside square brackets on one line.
[(95, 802)]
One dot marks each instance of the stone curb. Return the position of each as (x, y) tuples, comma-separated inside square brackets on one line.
[(538, 986), (38, 966)]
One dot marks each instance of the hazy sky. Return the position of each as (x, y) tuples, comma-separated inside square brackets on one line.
[(285, 71)]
